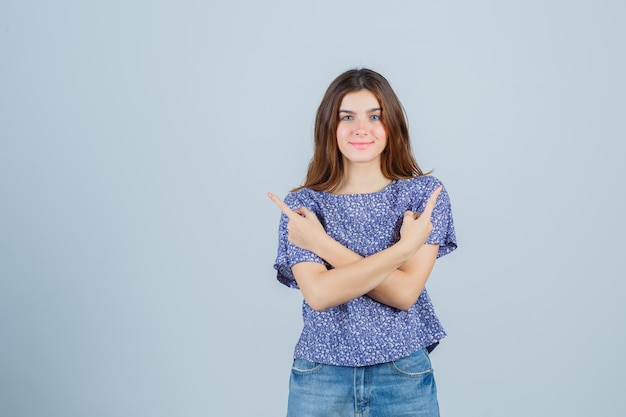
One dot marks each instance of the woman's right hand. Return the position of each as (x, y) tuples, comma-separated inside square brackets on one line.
[(416, 227)]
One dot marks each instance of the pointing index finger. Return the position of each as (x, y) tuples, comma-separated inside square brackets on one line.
[(432, 200), (282, 206)]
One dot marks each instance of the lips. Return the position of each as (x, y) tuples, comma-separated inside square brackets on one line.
[(361, 145)]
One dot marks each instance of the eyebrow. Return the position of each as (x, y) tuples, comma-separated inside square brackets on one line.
[(369, 111)]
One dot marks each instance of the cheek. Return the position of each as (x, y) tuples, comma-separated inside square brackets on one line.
[(381, 132), (343, 132)]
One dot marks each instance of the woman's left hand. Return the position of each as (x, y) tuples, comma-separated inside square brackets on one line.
[(305, 229)]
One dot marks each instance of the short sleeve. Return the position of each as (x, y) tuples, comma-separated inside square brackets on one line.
[(289, 254), (443, 233)]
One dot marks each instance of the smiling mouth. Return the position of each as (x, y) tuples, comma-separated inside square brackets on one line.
[(361, 145)]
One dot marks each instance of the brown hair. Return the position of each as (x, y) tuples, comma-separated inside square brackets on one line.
[(325, 172)]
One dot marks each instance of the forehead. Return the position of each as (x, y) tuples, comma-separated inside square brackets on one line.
[(359, 100)]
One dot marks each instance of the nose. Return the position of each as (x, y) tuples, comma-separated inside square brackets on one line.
[(361, 127)]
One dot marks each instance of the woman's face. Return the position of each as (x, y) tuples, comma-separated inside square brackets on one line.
[(361, 135)]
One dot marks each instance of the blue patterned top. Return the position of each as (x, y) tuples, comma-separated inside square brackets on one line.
[(363, 331)]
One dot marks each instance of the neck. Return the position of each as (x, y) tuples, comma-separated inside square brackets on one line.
[(362, 179)]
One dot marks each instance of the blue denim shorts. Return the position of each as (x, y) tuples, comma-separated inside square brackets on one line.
[(405, 387)]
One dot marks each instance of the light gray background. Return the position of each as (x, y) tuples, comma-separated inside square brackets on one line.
[(138, 140)]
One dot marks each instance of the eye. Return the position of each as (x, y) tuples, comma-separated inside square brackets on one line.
[(346, 117), (375, 117)]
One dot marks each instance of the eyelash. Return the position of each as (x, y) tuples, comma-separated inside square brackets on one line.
[(375, 117)]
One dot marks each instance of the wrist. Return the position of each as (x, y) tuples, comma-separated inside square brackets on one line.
[(406, 250), (323, 244)]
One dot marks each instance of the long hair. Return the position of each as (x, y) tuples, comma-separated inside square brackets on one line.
[(326, 170)]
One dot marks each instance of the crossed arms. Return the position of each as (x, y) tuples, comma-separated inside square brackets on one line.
[(394, 276)]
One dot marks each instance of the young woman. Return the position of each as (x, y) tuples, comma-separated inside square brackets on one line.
[(359, 239)]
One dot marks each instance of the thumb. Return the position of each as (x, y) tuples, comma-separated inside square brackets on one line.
[(305, 211)]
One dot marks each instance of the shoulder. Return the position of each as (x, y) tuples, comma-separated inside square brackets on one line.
[(303, 197), (417, 190), (424, 184)]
